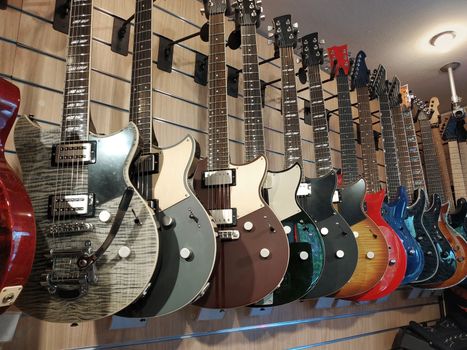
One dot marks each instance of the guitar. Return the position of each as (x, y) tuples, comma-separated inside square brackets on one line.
[(397, 170), (372, 247), (253, 247), (18, 234), (279, 189), (97, 243), (187, 236), (433, 216), (375, 195), (417, 197), (340, 243), (454, 133)]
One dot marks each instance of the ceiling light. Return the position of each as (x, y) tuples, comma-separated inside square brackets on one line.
[(443, 40)]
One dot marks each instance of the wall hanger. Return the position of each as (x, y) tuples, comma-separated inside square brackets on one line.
[(61, 19)]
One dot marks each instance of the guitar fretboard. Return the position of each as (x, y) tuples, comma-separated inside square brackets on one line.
[(405, 166), (390, 151), (443, 165), (433, 170), (319, 122), (75, 120), (370, 165), (292, 138), (141, 84), (218, 133), (414, 152), (456, 170), (254, 132), (347, 136)]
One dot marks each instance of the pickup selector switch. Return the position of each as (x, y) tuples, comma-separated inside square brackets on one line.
[(124, 252), (248, 226), (105, 216)]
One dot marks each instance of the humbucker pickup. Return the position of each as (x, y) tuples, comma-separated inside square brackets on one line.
[(304, 190), (74, 153), (147, 164), (225, 177), (224, 217), (69, 228), (71, 205), (229, 235)]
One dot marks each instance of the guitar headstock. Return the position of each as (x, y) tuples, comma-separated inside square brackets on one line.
[(360, 75), (378, 85), (339, 59), (423, 111), (284, 31), (405, 96), (312, 54), (394, 92), (435, 116), (213, 7), (248, 12)]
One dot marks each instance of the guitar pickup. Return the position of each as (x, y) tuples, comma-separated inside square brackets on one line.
[(147, 164), (224, 217), (229, 235), (71, 205), (69, 228), (74, 153), (225, 177), (304, 190)]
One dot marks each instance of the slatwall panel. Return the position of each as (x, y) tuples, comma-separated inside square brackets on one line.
[(33, 56)]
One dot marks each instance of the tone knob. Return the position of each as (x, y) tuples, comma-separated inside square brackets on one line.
[(287, 229), (304, 255), (167, 221), (356, 234), (185, 253), (411, 252), (105, 216), (392, 262), (248, 226), (370, 255), (324, 231), (124, 252), (340, 254), (264, 253)]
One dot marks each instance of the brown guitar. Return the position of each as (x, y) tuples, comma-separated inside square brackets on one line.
[(253, 247)]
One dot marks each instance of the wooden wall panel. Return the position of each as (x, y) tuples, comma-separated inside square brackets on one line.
[(33, 57)]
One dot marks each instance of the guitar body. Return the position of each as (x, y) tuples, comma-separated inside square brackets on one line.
[(241, 276), (459, 246), (447, 260), (395, 272), (118, 281), (458, 216), (18, 233), (306, 247), (372, 247), (185, 224), (395, 213), (336, 234)]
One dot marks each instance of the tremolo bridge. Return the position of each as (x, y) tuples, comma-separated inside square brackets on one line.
[(69, 154), (60, 206)]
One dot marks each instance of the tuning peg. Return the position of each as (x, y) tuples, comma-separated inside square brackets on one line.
[(270, 35), (202, 10), (322, 41), (262, 17), (259, 2), (270, 28), (234, 4), (295, 25), (325, 54), (298, 60)]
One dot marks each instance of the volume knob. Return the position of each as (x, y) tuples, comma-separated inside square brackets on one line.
[(105, 216), (124, 252), (248, 226)]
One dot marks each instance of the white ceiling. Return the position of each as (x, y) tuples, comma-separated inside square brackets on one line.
[(394, 33)]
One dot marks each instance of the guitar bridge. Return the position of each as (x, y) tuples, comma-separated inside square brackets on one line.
[(69, 228), (70, 154), (61, 206)]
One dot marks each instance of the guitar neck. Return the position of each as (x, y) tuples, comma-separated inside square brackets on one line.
[(405, 166), (319, 122), (218, 133), (456, 170), (390, 151), (292, 138), (463, 156), (370, 165), (141, 81), (75, 119), (443, 166), (254, 132), (414, 151), (347, 136), (432, 167)]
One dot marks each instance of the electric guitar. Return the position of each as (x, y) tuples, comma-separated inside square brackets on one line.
[(187, 236), (18, 233), (433, 216), (340, 243), (372, 247), (253, 247), (97, 243), (279, 189), (398, 174), (375, 195)]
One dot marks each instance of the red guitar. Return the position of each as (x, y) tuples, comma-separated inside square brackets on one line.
[(17, 228)]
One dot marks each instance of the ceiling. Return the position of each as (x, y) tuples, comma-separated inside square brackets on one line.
[(394, 33)]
